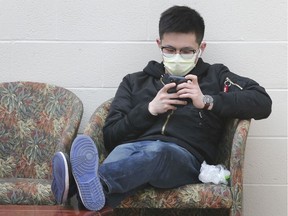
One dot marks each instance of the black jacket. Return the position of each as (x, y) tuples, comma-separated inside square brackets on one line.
[(196, 130)]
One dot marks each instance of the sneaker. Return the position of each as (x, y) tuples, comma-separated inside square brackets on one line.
[(60, 181), (63, 184), (84, 164)]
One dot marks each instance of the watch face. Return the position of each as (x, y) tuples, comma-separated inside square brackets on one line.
[(207, 99)]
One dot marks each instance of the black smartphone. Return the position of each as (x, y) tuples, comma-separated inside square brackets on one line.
[(173, 79)]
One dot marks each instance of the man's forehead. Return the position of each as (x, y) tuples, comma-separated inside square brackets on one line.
[(180, 40)]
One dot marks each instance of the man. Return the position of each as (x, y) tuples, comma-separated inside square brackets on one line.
[(159, 132)]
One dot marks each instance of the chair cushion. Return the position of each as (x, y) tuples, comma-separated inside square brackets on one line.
[(188, 196), (26, 191)]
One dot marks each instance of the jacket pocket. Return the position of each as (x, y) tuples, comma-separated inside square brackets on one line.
[(209, 120)]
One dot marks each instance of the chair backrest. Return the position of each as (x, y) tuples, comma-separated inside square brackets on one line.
[(95, 127), (36, 120), (231, 142)]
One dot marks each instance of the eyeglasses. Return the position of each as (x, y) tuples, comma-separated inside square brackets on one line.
[(186, 53)]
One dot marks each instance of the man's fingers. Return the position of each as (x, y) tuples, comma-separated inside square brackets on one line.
[(192, 78), (178, 102), (168, 86)]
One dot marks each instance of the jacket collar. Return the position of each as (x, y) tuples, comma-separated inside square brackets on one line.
[(200, 69)]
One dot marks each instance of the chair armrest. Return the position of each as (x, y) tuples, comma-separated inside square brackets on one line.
[(237, 151), (237, 164)]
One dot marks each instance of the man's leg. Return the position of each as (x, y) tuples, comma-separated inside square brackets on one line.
[(127, 168), (179, 167), (161, 164)]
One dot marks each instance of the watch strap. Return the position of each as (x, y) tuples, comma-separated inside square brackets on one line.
[(206, 106)]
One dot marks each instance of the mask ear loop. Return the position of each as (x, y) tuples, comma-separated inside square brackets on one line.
[(198, 56), (200, 53)]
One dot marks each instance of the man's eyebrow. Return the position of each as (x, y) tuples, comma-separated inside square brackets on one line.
[(189, 47), (168, 46)]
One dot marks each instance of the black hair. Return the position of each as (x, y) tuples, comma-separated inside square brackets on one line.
[(182, 19)]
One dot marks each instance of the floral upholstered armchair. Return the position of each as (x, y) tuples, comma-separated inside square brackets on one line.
[(36, 120), (194, 199)]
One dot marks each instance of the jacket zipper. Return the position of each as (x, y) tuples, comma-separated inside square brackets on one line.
[(228, 83), (166, 122), (161, 80), (168, 117)]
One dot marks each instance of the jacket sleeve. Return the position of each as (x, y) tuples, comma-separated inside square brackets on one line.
[(245, 98), (126, 121)]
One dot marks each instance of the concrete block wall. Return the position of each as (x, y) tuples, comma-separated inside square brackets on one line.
[(88, 46)]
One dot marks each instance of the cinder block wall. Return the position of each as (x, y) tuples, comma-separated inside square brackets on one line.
[(88, 46)]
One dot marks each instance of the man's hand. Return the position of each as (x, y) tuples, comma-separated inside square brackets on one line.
[(191, 90), (164, 101)]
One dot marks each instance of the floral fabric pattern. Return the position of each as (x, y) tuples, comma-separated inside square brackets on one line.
[(37, 119), (26, 191), (194, 199)]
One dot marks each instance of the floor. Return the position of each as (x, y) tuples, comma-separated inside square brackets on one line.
[(30, 210)]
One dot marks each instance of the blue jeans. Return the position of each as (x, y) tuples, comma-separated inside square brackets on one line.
[(135, 165)]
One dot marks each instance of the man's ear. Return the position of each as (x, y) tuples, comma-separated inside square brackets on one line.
[(201, 49), (203, 46), (158, 42)]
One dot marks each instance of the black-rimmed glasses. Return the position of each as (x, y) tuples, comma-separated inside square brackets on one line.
[(186, 53)]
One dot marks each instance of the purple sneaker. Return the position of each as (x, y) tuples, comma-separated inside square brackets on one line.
[(60, 181), (63, 184), (84, 163)]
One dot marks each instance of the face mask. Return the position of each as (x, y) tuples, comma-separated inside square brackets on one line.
[(179, 66)]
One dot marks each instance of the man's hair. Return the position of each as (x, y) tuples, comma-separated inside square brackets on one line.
[(182, 19)]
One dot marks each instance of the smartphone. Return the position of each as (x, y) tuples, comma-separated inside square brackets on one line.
[(173, 79)]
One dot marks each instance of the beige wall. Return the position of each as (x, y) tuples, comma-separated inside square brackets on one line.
[(88, 46)]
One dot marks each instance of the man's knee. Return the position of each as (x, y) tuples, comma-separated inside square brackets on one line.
[(158, 150)]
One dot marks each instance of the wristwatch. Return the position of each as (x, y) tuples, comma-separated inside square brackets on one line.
[(207, 100)]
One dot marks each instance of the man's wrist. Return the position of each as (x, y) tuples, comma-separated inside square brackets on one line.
[(151, 111)]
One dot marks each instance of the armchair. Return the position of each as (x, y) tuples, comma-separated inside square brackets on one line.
[(194, 199), (36, 120)]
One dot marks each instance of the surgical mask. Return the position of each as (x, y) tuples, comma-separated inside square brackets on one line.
[(179, 66)]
